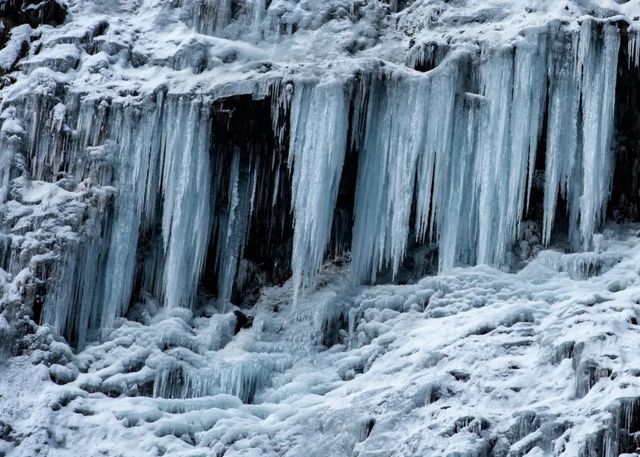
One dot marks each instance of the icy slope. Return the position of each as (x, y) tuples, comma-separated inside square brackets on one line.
[(476, 362)]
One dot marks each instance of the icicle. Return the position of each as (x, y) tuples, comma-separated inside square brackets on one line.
[(516, 163), (598, 60), (493, 166), (436, 158), (212, 16), (562, 132), (426, 55), (187, 209), (234, 226), (319, 126), (11, 135), (280, 100), (123, 236), (386, 174), (633, 48), (530, 90), (456, 212), (259, 10)]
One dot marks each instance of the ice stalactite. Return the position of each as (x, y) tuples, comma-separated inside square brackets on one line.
[(436, 160), (319, 128), (386, 173), (598, 63), (633, 47), (454, 211), (72, 307), (234, 225), (229, 17), (241, 378), (187, 208), (11, 133), (212, 16), (134, 131), (493, 168), (561, 163), (507, 143), (489, 118), (580, 127)]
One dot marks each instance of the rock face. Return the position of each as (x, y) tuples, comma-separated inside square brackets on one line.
[(34, 14), (17, 19), (164, 164)]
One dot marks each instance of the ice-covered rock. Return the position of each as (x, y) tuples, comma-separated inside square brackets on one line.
[(164, 163)]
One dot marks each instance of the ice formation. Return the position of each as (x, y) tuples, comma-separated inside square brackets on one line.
[(174, 176), (469, 125), (319, 129)]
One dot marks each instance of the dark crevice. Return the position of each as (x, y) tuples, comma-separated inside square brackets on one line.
[(242, 131), (624, 204)]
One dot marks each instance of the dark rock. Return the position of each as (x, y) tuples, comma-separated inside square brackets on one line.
[(32, 12), (460, 375), (242, 321)]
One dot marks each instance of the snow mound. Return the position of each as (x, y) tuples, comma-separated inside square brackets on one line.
[(475, 362)]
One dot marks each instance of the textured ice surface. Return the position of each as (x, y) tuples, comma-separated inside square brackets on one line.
[(195, 45), (112, 182), (542, 362)]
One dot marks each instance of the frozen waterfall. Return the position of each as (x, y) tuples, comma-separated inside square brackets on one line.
[(446, 156)]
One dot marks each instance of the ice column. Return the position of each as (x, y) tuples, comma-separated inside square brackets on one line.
[(318, 142), (598, 62), (187, 208), (395, 138)]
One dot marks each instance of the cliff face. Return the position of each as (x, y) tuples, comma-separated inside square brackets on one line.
[(205, 205)]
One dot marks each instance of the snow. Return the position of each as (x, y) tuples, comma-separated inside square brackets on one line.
[(535, 362), (118, 202), (144, 49), (10, 52)]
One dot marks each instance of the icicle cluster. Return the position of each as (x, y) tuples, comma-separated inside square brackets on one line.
[(319, 128), (446, 156), (228, 17), (159, 158), (473, 149), (162, 150), (453, 151)]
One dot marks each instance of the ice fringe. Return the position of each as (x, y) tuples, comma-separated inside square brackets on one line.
[(473, 149), (445, 156)]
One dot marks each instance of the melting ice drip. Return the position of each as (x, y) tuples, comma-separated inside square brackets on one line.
[(454, 147)]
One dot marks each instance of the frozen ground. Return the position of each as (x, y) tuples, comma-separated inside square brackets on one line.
[(542, 362)]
